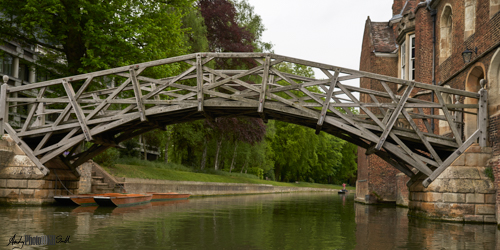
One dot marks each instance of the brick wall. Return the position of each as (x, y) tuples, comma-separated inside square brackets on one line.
[(376, 178)]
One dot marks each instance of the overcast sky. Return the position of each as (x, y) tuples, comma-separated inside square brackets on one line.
[(325, 31)]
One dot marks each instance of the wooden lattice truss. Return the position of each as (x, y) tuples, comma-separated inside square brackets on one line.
[(107, 107)]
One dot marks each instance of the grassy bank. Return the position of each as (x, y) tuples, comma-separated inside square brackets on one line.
[(134, 168)]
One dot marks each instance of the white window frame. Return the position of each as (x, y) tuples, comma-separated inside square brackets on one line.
[(411, 57), (403, 60)]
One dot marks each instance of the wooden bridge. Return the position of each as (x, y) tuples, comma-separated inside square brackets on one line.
[(52, 118)]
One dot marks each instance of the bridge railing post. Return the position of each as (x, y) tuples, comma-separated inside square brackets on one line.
[(459, 117), (4, 110), (482, 114)]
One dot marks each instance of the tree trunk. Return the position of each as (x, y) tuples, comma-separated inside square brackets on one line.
[(219, 144), (204, 157), (244, 166), (234, 156)]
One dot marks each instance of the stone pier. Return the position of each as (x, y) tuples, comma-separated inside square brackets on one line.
[(463, 192), (22, 183)]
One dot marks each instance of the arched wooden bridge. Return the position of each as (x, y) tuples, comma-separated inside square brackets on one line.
[(110, 106)]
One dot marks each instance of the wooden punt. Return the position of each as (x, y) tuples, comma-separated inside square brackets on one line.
[(122, 200), (168, 196), (343, 191), (80, 199)]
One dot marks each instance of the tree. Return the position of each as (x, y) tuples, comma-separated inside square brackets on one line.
[(98, 34)]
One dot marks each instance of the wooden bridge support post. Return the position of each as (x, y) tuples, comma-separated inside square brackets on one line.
[(4, 111), (265, 77), (482, 115), (199, 82)]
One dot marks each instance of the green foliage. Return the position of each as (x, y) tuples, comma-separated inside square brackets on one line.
[(259, 172), (488, 171), (131, 149), (94, 35), (153, 164), (107, 158)]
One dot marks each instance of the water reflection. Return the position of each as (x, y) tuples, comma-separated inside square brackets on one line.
[(274, 221)]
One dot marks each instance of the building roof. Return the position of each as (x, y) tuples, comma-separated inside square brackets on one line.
[(383, 39)]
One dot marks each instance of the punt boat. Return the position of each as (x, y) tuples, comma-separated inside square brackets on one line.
[(168, 196), (79, 199), (121, 200)]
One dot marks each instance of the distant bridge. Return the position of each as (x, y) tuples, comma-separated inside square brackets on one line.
[(111, 106)]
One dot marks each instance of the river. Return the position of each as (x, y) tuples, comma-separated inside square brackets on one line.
[(271, 221)]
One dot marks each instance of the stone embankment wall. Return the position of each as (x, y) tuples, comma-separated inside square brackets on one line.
[(133, 185), (22, 183)]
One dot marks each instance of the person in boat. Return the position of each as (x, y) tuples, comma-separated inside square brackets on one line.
[(343, 187)]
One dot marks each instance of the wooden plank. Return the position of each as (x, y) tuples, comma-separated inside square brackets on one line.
[(138, 95), (326, 103), (26, 149), (199, 82), (263, 89), (394, 116), (78, 110), (452, 158)]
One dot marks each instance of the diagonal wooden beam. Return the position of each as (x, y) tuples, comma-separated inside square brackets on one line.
[(32, 110), (416, 128), (327, 101), (447, 114), (116, 92), (138, 95), (395, 115), (418, 162), (452, 158), (78, 110), (26, 149)]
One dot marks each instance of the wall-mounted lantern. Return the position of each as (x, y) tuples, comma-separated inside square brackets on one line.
[(467, 54)]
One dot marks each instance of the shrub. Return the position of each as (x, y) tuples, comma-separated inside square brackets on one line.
[(259, 172)]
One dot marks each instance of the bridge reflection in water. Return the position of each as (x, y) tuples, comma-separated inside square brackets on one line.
[(274, 221)]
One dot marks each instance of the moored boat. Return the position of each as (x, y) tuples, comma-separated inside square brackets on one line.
[(343, 191), (122, 200), (168, 196), (79, 200)]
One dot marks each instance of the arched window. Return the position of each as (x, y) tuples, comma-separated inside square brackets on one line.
[(494, 7), (446, 26), (470, 18)]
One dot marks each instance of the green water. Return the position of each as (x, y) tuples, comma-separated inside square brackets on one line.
[(273, 221)]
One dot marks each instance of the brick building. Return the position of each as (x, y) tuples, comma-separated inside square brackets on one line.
[(425, 41)]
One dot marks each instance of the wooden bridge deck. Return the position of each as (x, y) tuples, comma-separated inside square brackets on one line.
[(392, 121)]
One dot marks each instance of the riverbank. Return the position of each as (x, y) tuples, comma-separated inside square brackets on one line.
[(139, 179)]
